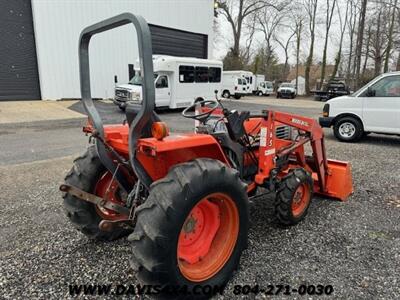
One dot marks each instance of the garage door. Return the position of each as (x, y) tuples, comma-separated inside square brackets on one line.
[(169, 41), (19, 78)]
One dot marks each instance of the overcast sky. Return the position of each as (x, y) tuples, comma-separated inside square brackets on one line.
[(224, 41)]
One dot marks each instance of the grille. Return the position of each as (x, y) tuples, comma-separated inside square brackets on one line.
[(121, 94), (286, 91), (283, 132)]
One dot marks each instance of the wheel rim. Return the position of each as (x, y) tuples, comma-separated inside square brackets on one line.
[(208, 237), (347, 129), (301, 198), (108, 189)]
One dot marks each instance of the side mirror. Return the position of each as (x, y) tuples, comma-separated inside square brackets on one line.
[(371, 92), (115, 79)]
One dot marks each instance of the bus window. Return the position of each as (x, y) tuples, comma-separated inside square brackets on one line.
[(214, 74), (186, 74), (201, 74)]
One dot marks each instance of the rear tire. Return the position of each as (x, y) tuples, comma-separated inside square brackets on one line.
[(348, 129), (293, 197), (162, 222), (237, 97), (85, 174)]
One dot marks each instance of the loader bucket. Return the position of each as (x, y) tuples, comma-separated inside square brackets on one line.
[(339, 183)]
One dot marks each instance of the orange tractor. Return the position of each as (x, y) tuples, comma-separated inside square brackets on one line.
[(184, 198)]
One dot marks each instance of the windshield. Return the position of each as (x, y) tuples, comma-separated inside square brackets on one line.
[(358, 92), (268, 84), (288, 85), (137, 79)]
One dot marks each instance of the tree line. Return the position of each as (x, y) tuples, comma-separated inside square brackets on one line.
[(356, 39)]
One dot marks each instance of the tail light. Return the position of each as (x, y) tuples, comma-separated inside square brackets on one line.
[(235, 88)]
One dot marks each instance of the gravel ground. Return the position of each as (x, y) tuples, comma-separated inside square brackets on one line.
[(353, 246)]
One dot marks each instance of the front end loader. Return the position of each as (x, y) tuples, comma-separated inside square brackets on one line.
[(183, 199)]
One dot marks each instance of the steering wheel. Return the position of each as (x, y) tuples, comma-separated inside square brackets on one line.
[(201, 116)]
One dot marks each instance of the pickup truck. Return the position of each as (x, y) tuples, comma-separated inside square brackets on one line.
[(331, 90), (373, 108)]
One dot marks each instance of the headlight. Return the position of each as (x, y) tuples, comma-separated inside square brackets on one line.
[(135, 96)]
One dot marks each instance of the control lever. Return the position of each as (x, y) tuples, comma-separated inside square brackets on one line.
[(224, 110)]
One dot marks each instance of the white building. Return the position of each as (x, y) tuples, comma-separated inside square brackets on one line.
[(40, 57), (301, 85)]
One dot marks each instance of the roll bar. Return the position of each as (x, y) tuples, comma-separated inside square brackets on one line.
[(148, 92)]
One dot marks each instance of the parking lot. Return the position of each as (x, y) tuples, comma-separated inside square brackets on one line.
[(353, 246)]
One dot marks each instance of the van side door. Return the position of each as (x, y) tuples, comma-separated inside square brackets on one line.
[(163, 91), (381, 105)]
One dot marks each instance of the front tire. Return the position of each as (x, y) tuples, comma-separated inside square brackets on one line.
[(348, 129), (89, 175), (294, 197), (226, 94), (192, 228), (260, 93)]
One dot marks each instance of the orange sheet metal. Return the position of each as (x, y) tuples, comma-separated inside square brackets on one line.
[(339, 183)]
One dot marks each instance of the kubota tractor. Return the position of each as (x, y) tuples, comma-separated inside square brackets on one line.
[(184, 198)]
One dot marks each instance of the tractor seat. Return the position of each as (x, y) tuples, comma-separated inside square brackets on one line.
[(132, 110)]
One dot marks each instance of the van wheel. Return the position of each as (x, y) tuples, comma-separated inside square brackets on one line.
[(226, 94), (348, 129), (260, 93), (237, 97)]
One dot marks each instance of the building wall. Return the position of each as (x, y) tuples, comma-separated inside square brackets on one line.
[(58, 23)]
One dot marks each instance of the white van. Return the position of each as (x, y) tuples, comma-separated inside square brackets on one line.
[(264, 88), (233, 85), (373, 108), (179, 81), (247, 75)]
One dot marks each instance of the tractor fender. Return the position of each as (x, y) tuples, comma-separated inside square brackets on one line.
[(158, 156)]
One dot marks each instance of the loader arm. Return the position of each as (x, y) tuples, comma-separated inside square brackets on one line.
[(270, 150)]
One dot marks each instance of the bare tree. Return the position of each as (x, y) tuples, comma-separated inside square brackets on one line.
[(298, 29), (343, 25), (269, 19), (378, 44), (236, 12), (390, 36), (360, 38), (328, 22), (351, 30), (367, 46), (311, 7), (285, 47), (251, 29)]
